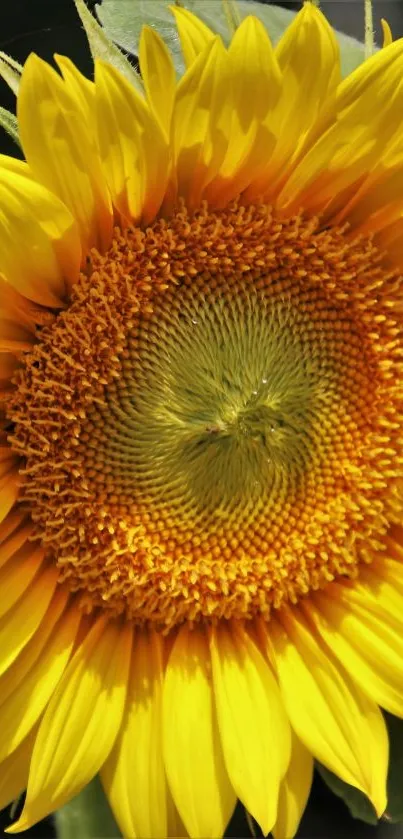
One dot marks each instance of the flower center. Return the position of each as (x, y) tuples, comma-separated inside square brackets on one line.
[(211, 428)]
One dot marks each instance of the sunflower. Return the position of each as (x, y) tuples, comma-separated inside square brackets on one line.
[(201, 540)]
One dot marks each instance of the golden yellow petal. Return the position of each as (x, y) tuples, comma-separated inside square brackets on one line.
[(21, 622), (362, 625), (16, 576), (200, 123), (62, 151), (253, 727), (345, 145), (309, 62), (32, 679), (200, 787), (387, 33), (335, 720), (18, 537), (133, 147), (294, 791), (158, 74), (40, 249), (81, 722), (193, 33), (249, 126), (14, 770), (133, 775)]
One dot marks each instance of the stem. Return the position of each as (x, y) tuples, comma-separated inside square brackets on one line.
[(369, 29), (87, 816)]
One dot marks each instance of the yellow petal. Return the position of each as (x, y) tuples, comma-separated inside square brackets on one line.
[(21, 622), (254, 730), (294, 791), (82, 89), (364, 631), (309, 59), (158, 74), (346, 144), (387, 33), (10, 524), (193, 33), (18, 308), (309, 62), (62, 151), (14, 770), (80, 723), (338, 724), (248, 127), (20, 668), (40, 249), (20, 167), (16, 576), (26, 693), (193, 756), (176, 828), (133, 148), (200, 122), (133, 775), (18, 537)]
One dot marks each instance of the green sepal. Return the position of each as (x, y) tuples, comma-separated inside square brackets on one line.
[(10, 71), (87, 816), (123, 20), (359, 805), (102, 47), (9, 122)]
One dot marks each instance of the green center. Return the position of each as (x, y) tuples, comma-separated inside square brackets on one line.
[(220, 401)]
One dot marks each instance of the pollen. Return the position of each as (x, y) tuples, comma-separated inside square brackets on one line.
[(210, 429)]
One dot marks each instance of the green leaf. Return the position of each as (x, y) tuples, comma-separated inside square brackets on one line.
[(394, 810), (359, 805), (87, 816), (123, 20), (352, 53), (9, 122)]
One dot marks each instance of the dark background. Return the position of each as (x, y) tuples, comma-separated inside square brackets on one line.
[(49, 26)]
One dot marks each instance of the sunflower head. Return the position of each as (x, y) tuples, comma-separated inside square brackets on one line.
[(201, 445)]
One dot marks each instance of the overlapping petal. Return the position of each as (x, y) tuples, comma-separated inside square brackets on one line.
[(193, 33), (294, 790), (62, 152), (192, 749), (40, 253), (81, 722), (177, 740), (344, 145), (20, 622), (249, 128), (158, 74), (308, 59), (254, 730), (200, 123), (133, 147), (14, 770), (362, 624), (134, 775), (27, 686), (341, 726)]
